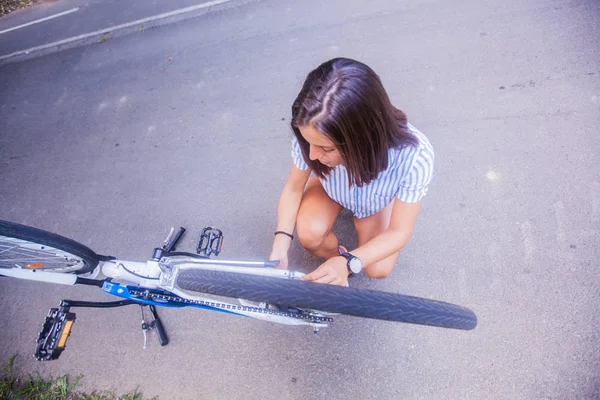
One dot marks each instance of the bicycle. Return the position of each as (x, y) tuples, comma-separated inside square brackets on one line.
[(180, 279)]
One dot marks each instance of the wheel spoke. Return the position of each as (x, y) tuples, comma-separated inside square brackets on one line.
[(21, 254)]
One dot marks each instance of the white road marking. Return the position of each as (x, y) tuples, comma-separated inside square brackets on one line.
[(37, 21), (116, 27)]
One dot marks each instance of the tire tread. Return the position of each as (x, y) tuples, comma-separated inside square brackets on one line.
[(338, 299)]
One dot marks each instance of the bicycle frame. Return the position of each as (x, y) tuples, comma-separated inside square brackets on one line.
[(162, 275), (153, 283)]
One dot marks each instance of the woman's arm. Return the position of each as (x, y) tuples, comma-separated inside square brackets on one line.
[(392, 239), (379, 248), (289, 203)]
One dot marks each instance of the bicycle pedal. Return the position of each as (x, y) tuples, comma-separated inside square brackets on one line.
[(211, 242), (55, 332)]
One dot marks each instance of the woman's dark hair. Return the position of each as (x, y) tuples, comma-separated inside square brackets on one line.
[(345, 100)]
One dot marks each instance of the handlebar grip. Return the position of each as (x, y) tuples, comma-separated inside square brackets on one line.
[(272, 264), (170, 246), (160, 329), (162, 334)]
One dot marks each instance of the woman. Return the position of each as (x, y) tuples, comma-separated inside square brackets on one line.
[(351, 149)]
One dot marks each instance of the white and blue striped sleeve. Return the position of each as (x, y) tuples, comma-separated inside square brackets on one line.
[(416, 182), (297, 155)]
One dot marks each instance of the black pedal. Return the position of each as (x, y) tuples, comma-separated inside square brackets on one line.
[(211, 242), (53, 337)]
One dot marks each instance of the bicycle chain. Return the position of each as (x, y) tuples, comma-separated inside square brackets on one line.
[(226, 306)]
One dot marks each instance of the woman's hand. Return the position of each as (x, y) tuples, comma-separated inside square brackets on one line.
[(333, 271), (282, 257), (281, 246)]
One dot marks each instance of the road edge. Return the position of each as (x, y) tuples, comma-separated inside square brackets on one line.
[(111, 32)]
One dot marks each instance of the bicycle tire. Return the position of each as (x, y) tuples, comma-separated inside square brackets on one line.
[(39, 249), (329, 298)]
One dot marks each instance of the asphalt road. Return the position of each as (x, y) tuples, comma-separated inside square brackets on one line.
[(57, 20), (187, 124)]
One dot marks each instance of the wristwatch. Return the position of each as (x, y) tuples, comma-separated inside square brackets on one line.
[(354, 264)]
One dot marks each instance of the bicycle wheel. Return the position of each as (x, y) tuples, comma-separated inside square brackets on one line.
[(26, 247), (336, 299)]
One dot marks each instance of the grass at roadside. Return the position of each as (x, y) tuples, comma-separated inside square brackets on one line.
[(7, 6), (35, 387)]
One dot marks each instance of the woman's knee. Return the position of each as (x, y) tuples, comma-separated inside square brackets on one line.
[(311, 232), (380, 270)]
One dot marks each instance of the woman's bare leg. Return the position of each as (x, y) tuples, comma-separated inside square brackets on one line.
[(315, 219), (369, 227)]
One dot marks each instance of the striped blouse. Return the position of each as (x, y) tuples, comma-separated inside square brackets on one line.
[(409, 172)]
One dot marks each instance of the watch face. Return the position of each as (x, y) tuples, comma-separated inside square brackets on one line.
[(355, 265)]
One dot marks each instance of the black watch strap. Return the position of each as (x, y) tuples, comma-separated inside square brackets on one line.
[(348, 258)]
